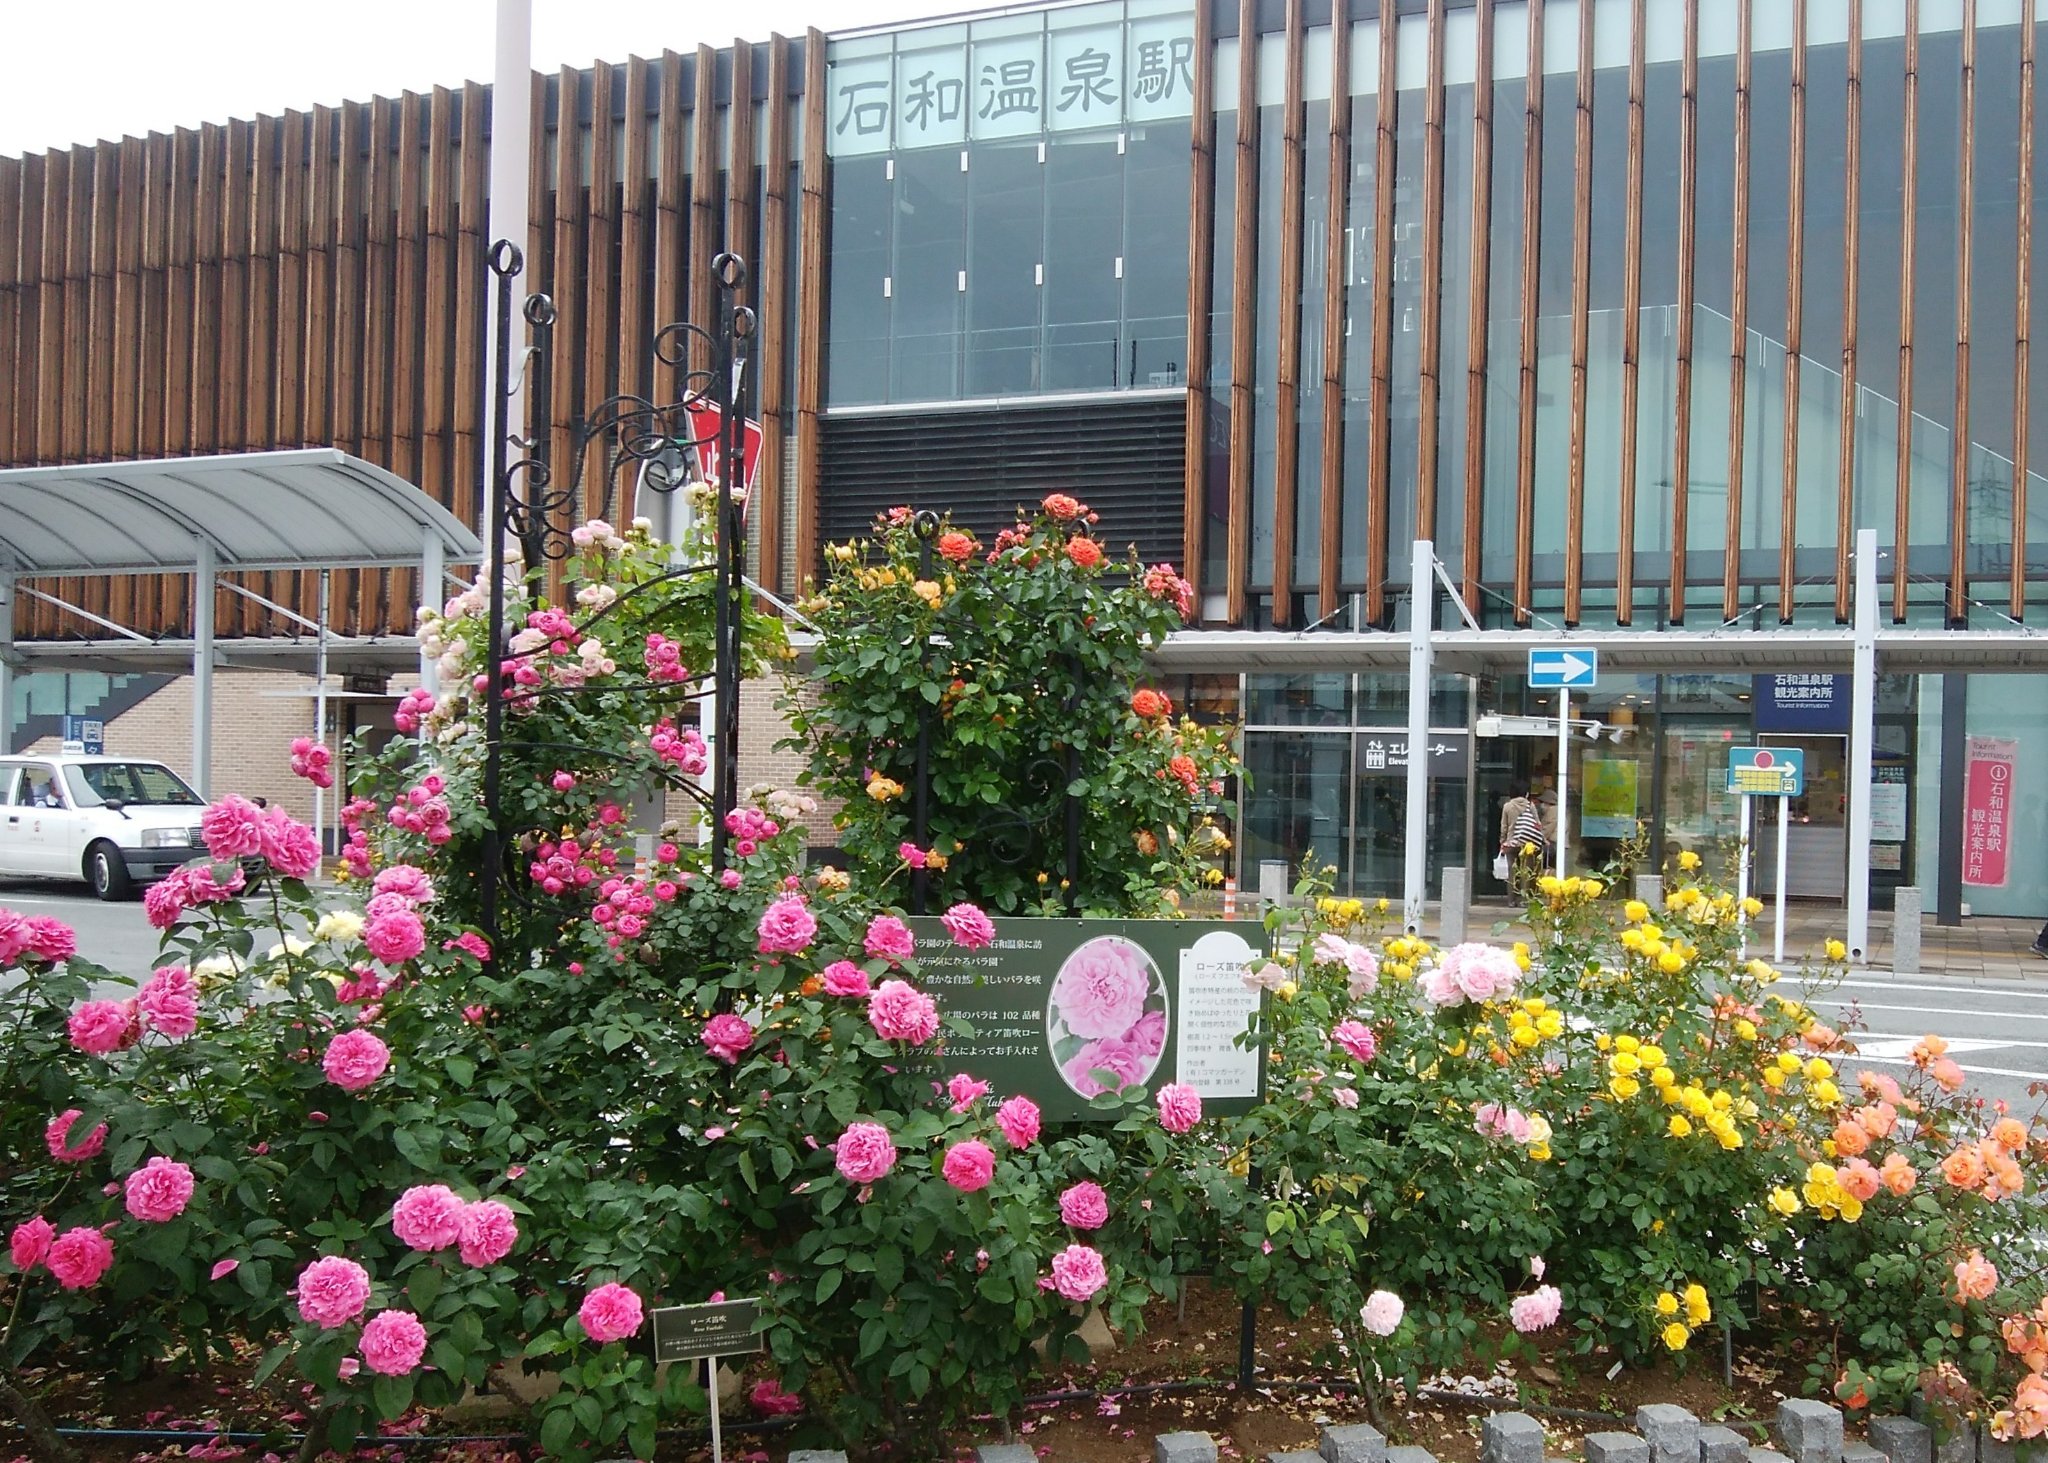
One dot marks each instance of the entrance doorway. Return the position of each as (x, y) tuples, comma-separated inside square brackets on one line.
[(1817, 827)]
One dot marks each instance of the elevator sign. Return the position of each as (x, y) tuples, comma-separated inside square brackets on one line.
[(1766, 772), (1987, 811)]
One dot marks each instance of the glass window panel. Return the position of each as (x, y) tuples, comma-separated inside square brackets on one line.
[(1449, 529), (1713, 329), (1297, 803), (1358, 263), (1934, 301), (1994, 277), (1221, 303), (1156, 185), (1877, 297), (857, 340), (1554, 308), (930, 255), (1313, 700), (1657, 373), (1315, 249), (1504, 330), (1006, 220), (1266, 355), (1083, 236), (1404, 410)]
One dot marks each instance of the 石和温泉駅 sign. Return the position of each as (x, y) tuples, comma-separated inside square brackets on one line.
[(1066, 1009)]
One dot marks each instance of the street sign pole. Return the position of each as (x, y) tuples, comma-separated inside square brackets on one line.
[(1564, 757), (1778, 919), (1742, 882), (711, 1386)]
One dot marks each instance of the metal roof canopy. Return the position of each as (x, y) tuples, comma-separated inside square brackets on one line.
[(314, 508)]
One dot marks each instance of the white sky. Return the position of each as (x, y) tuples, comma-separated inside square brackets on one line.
[(77, 72)]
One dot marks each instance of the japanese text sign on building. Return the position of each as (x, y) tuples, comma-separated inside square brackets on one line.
[(1385, 754), (1801, 702), (1766, 772), (1096, 66), (1065, 1009), (1987, 811)]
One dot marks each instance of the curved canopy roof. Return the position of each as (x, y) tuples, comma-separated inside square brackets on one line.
[(307, 509)]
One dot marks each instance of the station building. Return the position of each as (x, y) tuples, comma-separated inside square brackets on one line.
[(1637, 312)]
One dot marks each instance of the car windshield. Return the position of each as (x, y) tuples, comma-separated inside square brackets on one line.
[(133, 784)]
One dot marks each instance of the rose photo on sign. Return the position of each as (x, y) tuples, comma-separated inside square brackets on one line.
[(1105, 1020)]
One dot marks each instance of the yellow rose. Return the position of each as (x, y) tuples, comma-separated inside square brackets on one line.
[(1837, 950), (1817, 1069), (1652, 1056), (1625, 1064), (1381, 905), (1550, 884), (1687, 860), (1676, 1335), (1671, 962), (1784, 1201), (1827, 1094), (1550, 1024), (1697, 1309), (1850, 1206), (1592, 888), (1624, 1087), (1527, 1036), (1773, 1078), (1752, 906), (1540, 1152), (1662, 1077), (1626, 1042), (1636, 911), (1745, 1028), (1286, 990), (1788, 1062), (1667, 1304), (1680, 1128)]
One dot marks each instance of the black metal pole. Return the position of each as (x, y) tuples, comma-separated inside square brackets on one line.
[(505, 262), (927, 526), (729, 392)]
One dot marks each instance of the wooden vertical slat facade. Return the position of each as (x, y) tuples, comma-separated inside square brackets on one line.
[(810, 294), (1244, 262), (54, 219), (1582, 288), (1909, 209), (1429, 394), (1532, 240), (1738, 321), (633, 365), (1959, 430), (1631, 321), (600, 330), (1336, 280), (1379, 426), (1287, 440), (1201, 283), (739, 172), (233, 357), (77, 307), (96, 370), (472, 214), (12, 293), (772, 381), (126, 338), (2023, 310), (1852, 234), (323, 197), (438, 300), (1795, 304), (1479, 286), (345, 389), (566, 336), (703, 288), (1688, 252)]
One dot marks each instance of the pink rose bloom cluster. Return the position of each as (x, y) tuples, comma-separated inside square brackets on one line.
[(969, 927), (408, 881), (332, 1291), (612, 1312), (1493, 1120), (969, 1165), (355, 1059), (1180, 1107), (429, 1217), (38, 935), (77, 1258), (888, 938), (183, 888), (727, 1037), (313, 761), (1018, 1118), (159, 1191), (169, 1001), (56, 1137), (1078, 1273), (1471, 972), (29, 1242), (1361, 966), (864, 1153), (393, 1343), (1537, 1310), (1084, 1206), (900, 1012), (1356, 1038), (235, 828), (102, 1028), (787, 927), (394, 932), (418, 703), (844, 978), (770, 1400)]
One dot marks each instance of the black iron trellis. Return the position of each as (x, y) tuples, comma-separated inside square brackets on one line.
[(657, 439)]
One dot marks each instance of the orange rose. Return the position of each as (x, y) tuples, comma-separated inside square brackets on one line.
[(956, 546), (812, 985), (2009, 1134), (1976, 1277), (1859, 1180), (1964, 1168), (1878, 1119), (1947, 1075), (1899, 1176), (1084, 551), (1850, 1139), (1063, 505), (1150, 704)]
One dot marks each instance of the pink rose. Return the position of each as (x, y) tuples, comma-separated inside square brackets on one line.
[(164, 902), (844, 978), (1345, 1097), (1381, 1314), (864, 1153), (1078, 1272), (395, 936), (727, 1037), (159, 1190), (232, 828), (969, 1165), (969, 927), (52, 939), (488, 1232), (355, 1059), (888, 938), (13, 937), (1180, 1107), (1148, 1037), (899, 1012), (1480, 972), (407, 879), (964, 1091), (1364, 972), (770, 1400), (1121, 1058), (1356, 1038), (1018, 1118), (105, 1027), (1536, 1310), (911, 854), (610, 1313), (1084, 1206), (169, 1001), (428, 1217), (29, 1242), (787, 926), (79, 1257), (393, 1343), (1101, 989), (333, 1291), (291, 847), (59, 1131)]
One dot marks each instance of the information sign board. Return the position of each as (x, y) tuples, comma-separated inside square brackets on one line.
[(1987, 811), (721, 1328), (1569, 670), (1767, 772)]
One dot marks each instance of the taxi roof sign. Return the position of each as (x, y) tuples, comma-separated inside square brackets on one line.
[(1766, 772)]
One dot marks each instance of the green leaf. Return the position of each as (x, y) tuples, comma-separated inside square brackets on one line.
[(424, 1286), (828, 1284), (555, 1431), (888, 1268)]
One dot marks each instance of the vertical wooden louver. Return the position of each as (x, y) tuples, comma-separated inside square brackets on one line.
[(2023, 307), (810, 374), (1795, 304), (1738, 326), (1201, 285), (772, 378), (1244, 339), (1479, 287), (1852, 186), (1380, 427), (1336, 280), (1688, 255), (1631, 321), (1909, 213), (1582, 265), (1959, 428), (1532, 242), (1430, 388), (1287, 406)]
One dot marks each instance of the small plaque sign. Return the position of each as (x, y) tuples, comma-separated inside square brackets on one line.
[(723, 1328)]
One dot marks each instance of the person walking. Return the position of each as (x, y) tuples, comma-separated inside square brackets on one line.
[(1521, 828)]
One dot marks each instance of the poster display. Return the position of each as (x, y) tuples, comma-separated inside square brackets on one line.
[(1607, 798), (1888, 803), (1987, 811), (1065, 1009)]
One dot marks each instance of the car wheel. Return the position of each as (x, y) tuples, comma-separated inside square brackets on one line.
[(106, 871)]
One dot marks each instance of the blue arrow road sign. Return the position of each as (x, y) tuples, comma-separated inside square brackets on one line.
[(1570, 670)]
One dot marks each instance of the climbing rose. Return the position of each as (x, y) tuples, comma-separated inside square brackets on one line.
[(1180, 1107), (79, 1257), (292, 848), (1976, 1277), (488, 1232), (1148, 704), (844, 978), (1535, 1311), (1381, 1313), (30, 1242), (969, 927), (232, 828), (1018, 1118), (394, 935), (355, 1059), (888, 938), (865, 1152), (1084, 1206), (970, 1165), (900, 1013), (393, 1342), (159, 1190), (169, 1001), (49, 938), (1356, 1038), (610, 1313), (727, 1036), (1084, 551), (770, 1400), (58, 1131), (1078, 1272), (1064, 505), (105, 1027), (333, 1291), (786, 927), (428, 1217)]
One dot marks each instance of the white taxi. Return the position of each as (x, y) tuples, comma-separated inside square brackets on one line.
[(114, 822)]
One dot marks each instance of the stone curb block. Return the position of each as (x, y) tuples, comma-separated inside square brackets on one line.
[(1672, 1433), (1005, 1453), (1809, 1432), (1353, 1443), (1725, 1445), (1183, 1448), (1410, 1455), (1616, 1448), (1902, 1440), (1510, 1437)]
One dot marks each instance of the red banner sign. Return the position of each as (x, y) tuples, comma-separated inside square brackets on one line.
[(1987, 811), (704, 426)]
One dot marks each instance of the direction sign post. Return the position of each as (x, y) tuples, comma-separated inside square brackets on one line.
[(1766, 772), (1563, 671)]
